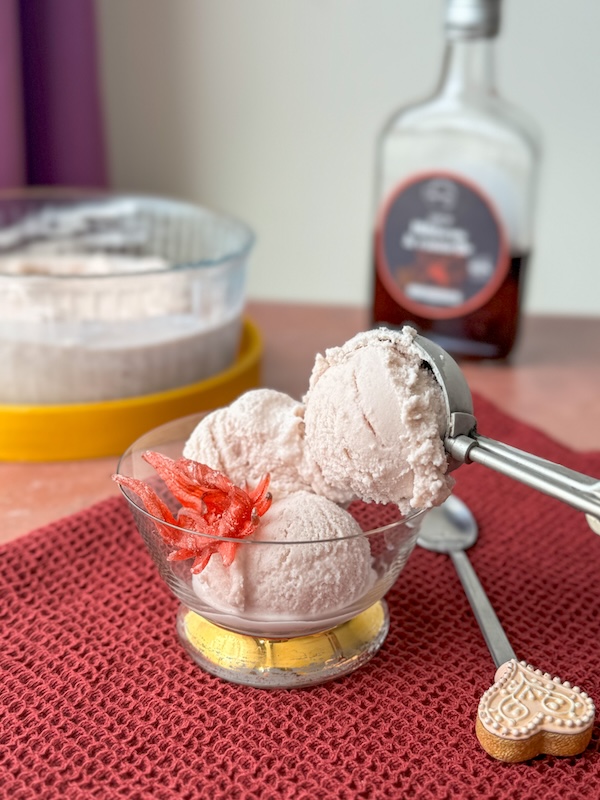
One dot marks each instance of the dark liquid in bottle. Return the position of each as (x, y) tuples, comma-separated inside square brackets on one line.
[(488, 332)]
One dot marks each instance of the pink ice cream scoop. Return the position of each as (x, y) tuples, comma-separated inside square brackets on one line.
[(308, 558), (374, 419), (260, 432)]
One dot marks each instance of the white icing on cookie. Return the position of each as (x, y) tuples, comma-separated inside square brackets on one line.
[(524, 701)]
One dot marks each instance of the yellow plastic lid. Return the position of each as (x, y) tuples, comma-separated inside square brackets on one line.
[(93, 430)]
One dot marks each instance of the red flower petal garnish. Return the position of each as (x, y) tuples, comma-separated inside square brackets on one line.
[(211, 505)]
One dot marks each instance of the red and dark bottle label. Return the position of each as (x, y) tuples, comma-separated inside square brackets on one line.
[(441, 250), (442, 264)]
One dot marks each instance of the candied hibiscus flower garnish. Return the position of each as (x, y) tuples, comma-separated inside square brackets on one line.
[(210, 504)]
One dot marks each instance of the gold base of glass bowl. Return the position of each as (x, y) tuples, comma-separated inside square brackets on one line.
[(284, 663)]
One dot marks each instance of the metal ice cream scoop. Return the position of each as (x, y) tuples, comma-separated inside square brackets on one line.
[(465, 445)]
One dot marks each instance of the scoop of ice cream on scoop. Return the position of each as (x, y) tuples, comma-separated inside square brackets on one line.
[(318, 562), (374, 417), (260, 432)]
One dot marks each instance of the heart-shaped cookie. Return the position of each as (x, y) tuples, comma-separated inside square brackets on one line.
[(527, 713)]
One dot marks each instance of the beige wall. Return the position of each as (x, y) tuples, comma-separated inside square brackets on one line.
[(269, 109)]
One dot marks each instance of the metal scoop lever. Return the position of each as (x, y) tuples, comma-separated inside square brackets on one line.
[(464, 445)]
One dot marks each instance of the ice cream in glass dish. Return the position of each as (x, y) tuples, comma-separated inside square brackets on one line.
[(280, 524)]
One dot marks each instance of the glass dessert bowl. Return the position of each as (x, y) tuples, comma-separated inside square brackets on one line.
[(298, 602)]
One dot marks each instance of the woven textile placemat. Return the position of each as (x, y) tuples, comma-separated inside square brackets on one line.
[(99, 700)]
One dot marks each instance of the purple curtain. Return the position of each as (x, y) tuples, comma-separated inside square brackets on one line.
[(50, 105)]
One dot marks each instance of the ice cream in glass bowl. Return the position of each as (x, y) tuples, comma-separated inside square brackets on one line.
[(279, 547), (300, 601)]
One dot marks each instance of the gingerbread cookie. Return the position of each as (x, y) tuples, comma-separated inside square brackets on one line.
[(527, 712)]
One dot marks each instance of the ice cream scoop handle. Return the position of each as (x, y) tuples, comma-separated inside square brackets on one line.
[(492, 630), (574, 488), (555, 472)]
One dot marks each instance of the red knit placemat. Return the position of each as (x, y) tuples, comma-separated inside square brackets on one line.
[(98, 699)]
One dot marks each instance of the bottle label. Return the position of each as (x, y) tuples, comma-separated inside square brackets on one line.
[(441, 248)]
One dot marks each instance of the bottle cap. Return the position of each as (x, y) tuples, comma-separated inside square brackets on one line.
[(472, 18)]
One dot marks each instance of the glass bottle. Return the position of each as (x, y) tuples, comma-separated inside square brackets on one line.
[(455, 189)]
